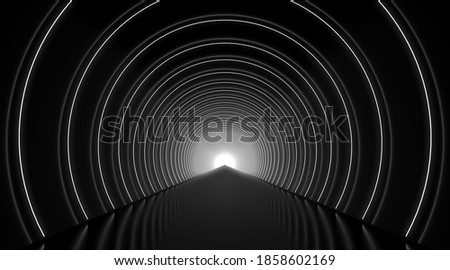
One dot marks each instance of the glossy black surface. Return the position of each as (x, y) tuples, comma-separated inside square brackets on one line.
[(225, 209)]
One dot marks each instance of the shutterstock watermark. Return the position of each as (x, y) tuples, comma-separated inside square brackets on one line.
[(188, 126)]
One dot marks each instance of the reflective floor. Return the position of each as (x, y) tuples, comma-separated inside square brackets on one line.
[(225, 209)]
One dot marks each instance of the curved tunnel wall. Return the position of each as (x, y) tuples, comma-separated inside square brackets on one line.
[(370, 138)]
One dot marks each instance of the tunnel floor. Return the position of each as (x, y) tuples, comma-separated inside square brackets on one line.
[(222, 210)]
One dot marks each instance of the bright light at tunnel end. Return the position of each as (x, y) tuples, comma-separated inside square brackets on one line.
[(224, 160)]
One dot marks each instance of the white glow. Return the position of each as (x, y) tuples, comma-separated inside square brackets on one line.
[(224, 160)]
